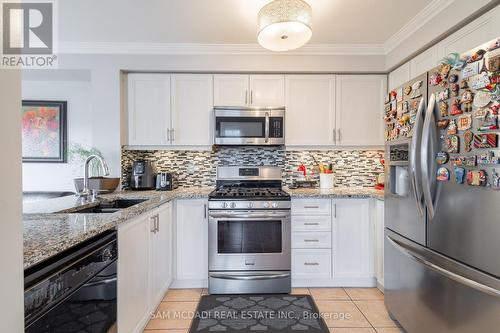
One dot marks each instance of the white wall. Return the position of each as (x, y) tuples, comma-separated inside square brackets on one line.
[(11, 233), (74, 88)]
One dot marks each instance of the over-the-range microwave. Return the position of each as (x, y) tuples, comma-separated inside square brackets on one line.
[(249, 126)]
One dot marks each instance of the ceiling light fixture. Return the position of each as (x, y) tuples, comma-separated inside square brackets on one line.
[(285, 25)]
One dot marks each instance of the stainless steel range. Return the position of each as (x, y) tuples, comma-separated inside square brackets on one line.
[(249, 233)]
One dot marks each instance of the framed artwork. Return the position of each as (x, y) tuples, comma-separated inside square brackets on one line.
[(44, 131)]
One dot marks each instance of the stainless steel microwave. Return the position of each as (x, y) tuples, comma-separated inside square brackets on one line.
[(249, 126)]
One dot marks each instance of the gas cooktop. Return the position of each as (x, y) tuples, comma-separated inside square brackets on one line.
[(250, 193)]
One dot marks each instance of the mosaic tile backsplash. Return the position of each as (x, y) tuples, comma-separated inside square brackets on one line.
[(198, 168)]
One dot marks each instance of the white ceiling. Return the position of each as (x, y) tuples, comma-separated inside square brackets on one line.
[(226, 21)]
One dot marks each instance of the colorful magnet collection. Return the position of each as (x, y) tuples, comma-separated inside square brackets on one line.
[(469, 123)]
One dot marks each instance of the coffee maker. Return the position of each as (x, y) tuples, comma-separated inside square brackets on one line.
[(143, 176)]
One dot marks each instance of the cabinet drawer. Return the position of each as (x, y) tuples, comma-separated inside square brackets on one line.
[(312, 240), (311, 223), (311, 263), (311, 207)]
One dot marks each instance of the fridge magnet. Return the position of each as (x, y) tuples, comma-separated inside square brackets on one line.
[(387, 99), (468, 138), (459, 175), (488, 123), (470, 70), (454, 60), (406, 131), (443, 123), (464, 122), (393, 95), (399, 94), (482, 98), (464, 84), (399, 111), (488, 158), (443, 109), (453, 78), (494, 108), (480, 113), (394, 105), (470, 161), (495, 95), (415, 89), (455, 108), (495, 180), (479, 81), (453, 144), (476, 178), (414, 104), (435, 79), (444, 70), (452, 127), (493, 62), (413, 118), (457, 161), (442, 157), (454, 87), (442, 95), (407, 90), (494, 79), (494, 45), (406, 107), (403, 121), (482, 141), (476, 56), (443, 175)]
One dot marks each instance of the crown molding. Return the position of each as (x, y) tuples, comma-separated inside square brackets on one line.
[(212, 49), (430, 11)]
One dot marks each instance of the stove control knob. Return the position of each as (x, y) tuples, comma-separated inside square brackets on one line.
[(225, 205), (250, 205), (233, 205), (266, 204), (275, 205)]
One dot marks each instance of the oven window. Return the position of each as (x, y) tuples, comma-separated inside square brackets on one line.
[(249, 236), (240, 127)]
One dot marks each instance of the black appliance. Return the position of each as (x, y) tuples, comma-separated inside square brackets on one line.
[(143, 176), (75, 291), (166, 181)]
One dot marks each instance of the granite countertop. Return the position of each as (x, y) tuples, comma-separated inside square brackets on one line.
[(51, 226)]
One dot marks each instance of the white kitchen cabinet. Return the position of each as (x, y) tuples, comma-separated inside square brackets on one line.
[(161, 253), (378, 226), (352, 246), (399, 76), (424, 62), (310, 264), (192, 107), (134, 274), (249, 90), (192, 243), (359, 110), (310, 110), (148, 111)]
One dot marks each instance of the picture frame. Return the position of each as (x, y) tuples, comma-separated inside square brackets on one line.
[(44, 134)]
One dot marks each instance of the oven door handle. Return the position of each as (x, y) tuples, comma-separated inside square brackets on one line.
[(249, 277), (249, 216)]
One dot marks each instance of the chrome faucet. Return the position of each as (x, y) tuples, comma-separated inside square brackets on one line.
[(104, 166)]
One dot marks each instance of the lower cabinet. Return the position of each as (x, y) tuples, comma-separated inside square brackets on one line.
[(378, 216), (144, 266), (332, 243), (192, 243)]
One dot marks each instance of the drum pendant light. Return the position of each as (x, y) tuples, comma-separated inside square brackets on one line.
[(285, 25)]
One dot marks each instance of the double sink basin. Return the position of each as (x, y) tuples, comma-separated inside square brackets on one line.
[(108, 207)]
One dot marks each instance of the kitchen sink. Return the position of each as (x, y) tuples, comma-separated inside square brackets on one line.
[(108, 207)]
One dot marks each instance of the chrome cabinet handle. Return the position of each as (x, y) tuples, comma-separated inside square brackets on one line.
[(157, 222), (334, 136), (153, 221), (311, 264), (309, 223), (311, 207), (267, 127), (335, 210), (249, 277), (168, 134), (311, 240), (205, 211), (251, 97), (451, 275), (173, 134), (339, 135), (246, 97)]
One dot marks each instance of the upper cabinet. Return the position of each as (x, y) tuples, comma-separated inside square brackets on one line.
[(359, 110), (424, 62), (249, 90), (310, 110), (148, 111), (192, 105), (399, 76), (169, 110)]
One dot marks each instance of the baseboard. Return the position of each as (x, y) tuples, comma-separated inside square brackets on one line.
[(195, 283), (334, 282)]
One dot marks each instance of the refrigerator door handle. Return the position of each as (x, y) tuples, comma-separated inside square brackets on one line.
[(440, 270), (415, 171), (429, 146)]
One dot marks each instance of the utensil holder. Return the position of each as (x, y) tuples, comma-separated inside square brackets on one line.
[(326, 180)]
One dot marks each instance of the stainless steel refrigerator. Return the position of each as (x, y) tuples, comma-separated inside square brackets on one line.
[(442, 204)]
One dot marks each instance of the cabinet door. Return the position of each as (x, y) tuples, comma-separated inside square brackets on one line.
[(399, 76), (161, 253), (267, 90), (360, 101), (379, 240), (133, 274), (192, 107), (192, 239), (424, 62), (310, 109), (148, 110), (351, 239), (231, 90)]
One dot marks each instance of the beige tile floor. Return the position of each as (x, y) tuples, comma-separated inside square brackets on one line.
[(362, 310)]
